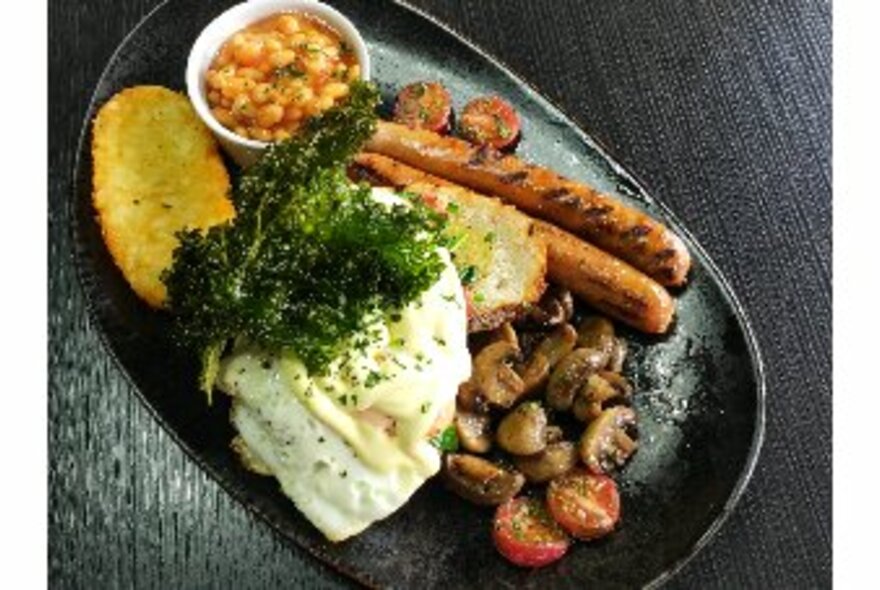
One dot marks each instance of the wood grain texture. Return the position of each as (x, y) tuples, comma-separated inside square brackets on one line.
[(722, 107)]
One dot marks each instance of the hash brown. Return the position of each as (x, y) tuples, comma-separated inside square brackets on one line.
[(157, 170)]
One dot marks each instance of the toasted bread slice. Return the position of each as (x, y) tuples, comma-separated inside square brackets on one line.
[(157, 171), (498, 254)]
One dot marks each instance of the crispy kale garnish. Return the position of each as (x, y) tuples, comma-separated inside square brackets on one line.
[(309, 257)]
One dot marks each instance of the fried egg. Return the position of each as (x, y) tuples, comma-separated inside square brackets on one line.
[(349, 447)]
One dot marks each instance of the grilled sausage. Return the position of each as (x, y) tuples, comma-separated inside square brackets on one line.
[(605, 282), (621, 230)]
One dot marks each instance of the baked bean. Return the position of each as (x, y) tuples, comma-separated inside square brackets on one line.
[(269, 77)]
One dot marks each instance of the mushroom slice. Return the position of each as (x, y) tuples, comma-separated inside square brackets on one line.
[(599, 393), (554, 434), (469, 398), (555, 307), (546, 355), (618, 355), (503, 333), (524, 430), (474, 431), (534, 373), (597, 333), (558, 344), (480, 481), (494, 377), (570, 375), (556, 460), (620, 383), (609, 440)]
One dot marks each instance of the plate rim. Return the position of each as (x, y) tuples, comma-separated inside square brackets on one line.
[(573, 122)]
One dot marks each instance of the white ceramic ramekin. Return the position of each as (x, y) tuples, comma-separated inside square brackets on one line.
[(245, 151)]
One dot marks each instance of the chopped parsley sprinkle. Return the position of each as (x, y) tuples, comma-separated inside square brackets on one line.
[(452, 207), (446, 441), (439, 340), (425, 407), (504, 132), (490, 237), (289, 71), (373, 379), (396, 317), (419, 89), (468, 275)]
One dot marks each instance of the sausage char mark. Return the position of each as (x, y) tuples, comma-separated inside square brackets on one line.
[(598, 211), (514, 177), (638, 231), (481, 155), (665, 254)]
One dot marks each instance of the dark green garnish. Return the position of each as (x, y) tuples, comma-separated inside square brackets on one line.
[(372, 379), (504, 132), (446, 441), (468, 275), (418, 89), (289, 71), (309, 258)]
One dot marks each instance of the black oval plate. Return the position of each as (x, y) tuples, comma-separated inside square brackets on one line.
[(701, 400)]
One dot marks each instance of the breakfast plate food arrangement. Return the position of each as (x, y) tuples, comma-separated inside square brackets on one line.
[(402, 308)]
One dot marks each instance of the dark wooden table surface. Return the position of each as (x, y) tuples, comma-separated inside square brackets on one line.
[(723, 107)]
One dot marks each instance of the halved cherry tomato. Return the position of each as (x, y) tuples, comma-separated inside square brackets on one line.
[(424, 105), (526, 535), (585, 505), (492, 121)]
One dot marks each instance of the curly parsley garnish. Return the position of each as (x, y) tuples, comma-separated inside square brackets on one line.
[(309, 257)]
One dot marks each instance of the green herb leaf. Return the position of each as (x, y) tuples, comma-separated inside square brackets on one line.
[(468, 275), (446, 441), (289, 71)]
